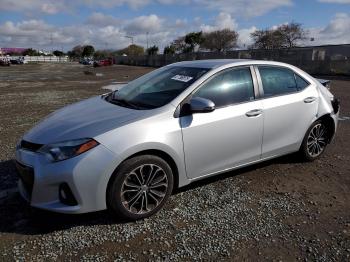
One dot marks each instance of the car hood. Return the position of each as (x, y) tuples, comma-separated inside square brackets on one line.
[(85, 119)]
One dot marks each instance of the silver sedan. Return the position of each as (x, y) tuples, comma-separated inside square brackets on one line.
[(128, 150)]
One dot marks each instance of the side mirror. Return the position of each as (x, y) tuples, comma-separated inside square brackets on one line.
[(201, 105)]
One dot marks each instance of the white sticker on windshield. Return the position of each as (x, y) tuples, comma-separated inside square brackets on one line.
[(182, 78)]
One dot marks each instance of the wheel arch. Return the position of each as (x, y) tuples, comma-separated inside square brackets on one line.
[(329, 122), (166, 157), (154, 152)]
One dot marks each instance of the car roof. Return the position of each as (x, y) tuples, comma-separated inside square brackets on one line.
[(215, 63), (210, 63)]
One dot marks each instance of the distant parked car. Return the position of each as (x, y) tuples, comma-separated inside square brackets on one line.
[(128, 149), (17, 61), (4, 61), (104, 62), (87, 61)]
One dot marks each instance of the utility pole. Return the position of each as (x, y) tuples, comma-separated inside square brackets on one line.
[(51, 43), (147, 39)]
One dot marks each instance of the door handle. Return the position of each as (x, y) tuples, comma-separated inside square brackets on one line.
[(253, 113), (309, 100)]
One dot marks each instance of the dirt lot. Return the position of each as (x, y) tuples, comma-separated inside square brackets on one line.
[(280, 210)]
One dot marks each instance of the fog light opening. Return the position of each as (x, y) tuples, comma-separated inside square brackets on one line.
[(66, 196)]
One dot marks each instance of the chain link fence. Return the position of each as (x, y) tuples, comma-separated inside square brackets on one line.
[(317, 60)]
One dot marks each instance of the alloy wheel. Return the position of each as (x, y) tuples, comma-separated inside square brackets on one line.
[(316, 141), (144, 189)]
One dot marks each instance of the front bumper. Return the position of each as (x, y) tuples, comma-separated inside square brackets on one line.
[(86, 175)]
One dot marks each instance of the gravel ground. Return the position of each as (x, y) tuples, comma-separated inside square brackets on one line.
[(282, 210)]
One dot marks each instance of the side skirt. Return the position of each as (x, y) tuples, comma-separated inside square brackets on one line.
[(240, 166)]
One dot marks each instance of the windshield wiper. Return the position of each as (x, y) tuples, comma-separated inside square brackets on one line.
[(123, 102)]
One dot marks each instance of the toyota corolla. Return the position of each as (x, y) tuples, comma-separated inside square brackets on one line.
[(127, 150)]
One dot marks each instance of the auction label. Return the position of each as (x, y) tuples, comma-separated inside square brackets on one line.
[(182, 78)]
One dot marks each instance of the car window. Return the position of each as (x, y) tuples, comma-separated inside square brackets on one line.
[(301, 82), (228, 87), (277, 80), (158, 87)]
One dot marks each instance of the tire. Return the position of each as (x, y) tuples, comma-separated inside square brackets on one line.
[(315, 141), (140, 187)]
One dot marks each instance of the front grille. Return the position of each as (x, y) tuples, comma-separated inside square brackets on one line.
[(30, 146), (26, 174)]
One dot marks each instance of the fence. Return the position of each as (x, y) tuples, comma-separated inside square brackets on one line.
[(35, 59), (318, 60)]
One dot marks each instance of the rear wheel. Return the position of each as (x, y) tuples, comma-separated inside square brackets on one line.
[(315, 141), (140, 187)]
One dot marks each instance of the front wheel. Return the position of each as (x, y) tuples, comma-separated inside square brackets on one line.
[(315, 141), (140, 187)]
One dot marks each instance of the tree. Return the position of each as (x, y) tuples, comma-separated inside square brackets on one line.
[(267, 39), (188, 43), (88, 51), (58, 53), (292, 33), (193, 40), (220, 40), (169, 50), (132, 50), (76, 52), (179, 44), (103, 54), (135, 50), (284, 36), (153, 50), (30, 52)]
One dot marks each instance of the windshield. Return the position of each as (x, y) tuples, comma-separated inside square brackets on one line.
[(157, 88)]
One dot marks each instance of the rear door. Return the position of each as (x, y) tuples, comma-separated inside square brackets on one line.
[(289, 105), (232, 134)]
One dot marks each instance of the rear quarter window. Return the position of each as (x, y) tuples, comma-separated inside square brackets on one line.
[(301, 82)]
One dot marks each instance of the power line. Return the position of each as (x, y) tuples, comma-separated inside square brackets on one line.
[(130, 37)]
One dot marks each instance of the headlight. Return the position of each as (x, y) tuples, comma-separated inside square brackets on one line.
[(68, 149)]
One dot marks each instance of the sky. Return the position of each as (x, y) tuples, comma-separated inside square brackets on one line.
[(62, 24)]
